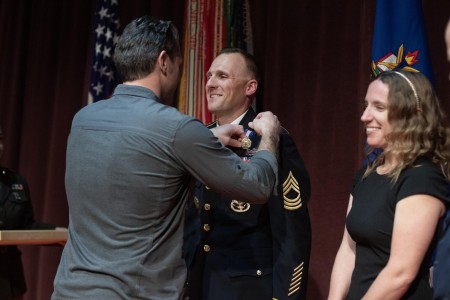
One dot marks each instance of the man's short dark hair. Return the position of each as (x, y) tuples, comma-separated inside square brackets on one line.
[(140, 44)]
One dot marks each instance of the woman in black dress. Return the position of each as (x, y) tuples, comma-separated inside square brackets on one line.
[(398, 200)]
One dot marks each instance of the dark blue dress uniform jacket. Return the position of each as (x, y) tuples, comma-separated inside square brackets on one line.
[(235, 250), (441, 275), (16, 213)]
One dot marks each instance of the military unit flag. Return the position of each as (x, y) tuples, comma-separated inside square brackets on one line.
[(399, 38), (399, 41)]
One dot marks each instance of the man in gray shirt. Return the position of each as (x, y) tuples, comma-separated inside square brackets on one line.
[(130, 160)]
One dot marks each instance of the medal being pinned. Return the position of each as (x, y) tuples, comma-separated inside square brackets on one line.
[(246, 142)]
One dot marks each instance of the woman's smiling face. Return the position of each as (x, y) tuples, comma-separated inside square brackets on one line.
[(375, 115)]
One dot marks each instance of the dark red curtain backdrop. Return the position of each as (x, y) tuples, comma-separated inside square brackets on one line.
[(315, 57)]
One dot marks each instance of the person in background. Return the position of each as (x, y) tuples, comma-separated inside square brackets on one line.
[(441, 277), (16, 213), (235, 249), (130, 161), (397, 201)]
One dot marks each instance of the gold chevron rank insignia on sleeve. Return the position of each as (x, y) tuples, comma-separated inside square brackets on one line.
[(291, 193), (296, 279)]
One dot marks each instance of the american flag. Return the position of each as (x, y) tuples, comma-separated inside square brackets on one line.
[(103, 75)]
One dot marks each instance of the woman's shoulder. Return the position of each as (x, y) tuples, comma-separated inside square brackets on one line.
[(423, 165), (423, 177)]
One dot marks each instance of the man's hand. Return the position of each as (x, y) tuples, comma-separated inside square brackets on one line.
[(229, 134), (267, 125)]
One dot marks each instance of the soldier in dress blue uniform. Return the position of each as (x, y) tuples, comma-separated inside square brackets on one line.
[(16, 213), (233, 249), (442, 263)]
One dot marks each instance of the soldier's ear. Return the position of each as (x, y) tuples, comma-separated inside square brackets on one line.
[(252, 86)]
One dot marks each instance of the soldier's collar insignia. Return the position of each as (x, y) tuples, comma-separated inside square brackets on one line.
[(239, 206)]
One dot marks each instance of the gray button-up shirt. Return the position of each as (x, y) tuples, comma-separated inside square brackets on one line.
[(129, 163)]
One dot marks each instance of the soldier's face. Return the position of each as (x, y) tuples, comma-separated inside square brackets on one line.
[(227, 84)]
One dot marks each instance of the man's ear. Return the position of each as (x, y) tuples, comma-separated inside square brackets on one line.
[(252, 85), (162, 62)]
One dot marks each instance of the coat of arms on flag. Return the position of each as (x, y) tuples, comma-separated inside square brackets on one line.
[(399, 38), (391, 61)]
